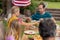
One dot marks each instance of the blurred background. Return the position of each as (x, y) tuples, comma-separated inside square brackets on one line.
[(53, 6)]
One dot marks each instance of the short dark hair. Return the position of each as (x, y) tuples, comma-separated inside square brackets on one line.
[(47, 28), (42, 3)]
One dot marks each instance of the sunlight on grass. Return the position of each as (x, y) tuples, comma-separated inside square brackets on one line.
[(54, 5), (58, 22), (50, 4)]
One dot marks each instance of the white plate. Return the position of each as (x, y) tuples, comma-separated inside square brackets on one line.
[(29, 32), (33, 21)]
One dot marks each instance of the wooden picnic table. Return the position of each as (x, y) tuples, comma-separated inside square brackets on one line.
[(35, 37)]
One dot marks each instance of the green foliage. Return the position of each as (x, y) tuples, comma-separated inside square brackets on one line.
[(1, 11), (5, 25), (1, 6), (53, 0), (0, 3), (33, 6)]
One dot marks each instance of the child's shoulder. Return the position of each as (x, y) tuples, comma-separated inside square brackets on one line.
[(10, 37)]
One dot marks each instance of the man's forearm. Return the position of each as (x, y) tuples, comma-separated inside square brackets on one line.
[(53, 20)]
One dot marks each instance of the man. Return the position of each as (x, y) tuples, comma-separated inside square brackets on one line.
[(41, 13)]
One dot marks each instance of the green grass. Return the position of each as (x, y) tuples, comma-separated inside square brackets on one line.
[(50, 4), (54, 5), (58, 22)]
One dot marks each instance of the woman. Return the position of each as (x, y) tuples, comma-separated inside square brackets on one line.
[(15, 16)]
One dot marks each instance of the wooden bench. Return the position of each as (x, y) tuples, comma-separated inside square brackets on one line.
[(55, 13)]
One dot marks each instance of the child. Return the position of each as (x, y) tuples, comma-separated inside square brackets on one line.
[(10, 35), (16, 27), (47, 29)]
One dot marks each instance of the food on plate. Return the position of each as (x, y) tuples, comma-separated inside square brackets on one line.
[(29, 32), (30, 37), (37, 37)]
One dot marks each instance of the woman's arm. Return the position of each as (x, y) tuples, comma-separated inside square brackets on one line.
[(29, 24)]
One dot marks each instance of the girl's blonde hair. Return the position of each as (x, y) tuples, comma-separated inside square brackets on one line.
[(14, 9), (16, 26), (9, 32)]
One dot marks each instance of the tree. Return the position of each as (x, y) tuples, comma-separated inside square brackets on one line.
[(6, 6), (1, 7)]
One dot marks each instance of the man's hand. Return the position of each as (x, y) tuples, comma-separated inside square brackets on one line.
[(41, 19), (28, 19)]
